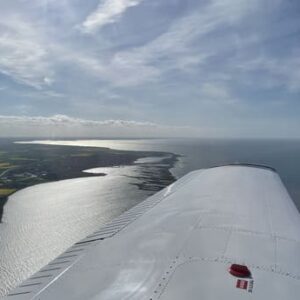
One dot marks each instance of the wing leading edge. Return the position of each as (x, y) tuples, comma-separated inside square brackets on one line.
[(181, 242)]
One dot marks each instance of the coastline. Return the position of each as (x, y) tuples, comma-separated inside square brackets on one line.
[(30, 164), (68, 209)]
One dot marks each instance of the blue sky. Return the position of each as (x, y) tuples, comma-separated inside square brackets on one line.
[(211, 68)]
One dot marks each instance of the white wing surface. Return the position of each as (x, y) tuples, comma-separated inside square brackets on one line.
[(185, 243)]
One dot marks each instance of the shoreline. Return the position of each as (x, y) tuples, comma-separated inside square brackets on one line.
[(43, 163), (72, 205)]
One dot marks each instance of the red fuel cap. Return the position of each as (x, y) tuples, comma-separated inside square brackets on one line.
[(239, 271)]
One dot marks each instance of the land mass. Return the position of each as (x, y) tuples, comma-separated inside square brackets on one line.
[(24, 165)]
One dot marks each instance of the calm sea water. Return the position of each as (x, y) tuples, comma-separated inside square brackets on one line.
[(42, 221), (283, 155)]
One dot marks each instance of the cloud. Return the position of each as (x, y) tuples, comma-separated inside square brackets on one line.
[(180, 47), (281, 71), (22, 56), (65, 126), (189, 45), (216, 56), (108, 11), (26, 57), (218, 93)]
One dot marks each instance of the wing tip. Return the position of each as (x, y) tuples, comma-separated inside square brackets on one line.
[(250, 165)]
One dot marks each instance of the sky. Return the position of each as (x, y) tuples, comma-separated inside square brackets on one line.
[(150, 68)]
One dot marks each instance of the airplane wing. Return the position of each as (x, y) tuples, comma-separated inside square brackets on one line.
[(229, 232)]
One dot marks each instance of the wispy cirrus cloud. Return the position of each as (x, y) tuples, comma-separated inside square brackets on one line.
[(179, 48), (280, 71), (217, 93), (107, 12), (23, 56)]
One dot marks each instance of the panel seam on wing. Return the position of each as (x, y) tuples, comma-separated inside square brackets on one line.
[(247, 231)]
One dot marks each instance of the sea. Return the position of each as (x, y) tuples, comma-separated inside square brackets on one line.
[(42, 221)]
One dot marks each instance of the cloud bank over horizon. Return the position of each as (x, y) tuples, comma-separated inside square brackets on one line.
[(221, 68), (64, 126)]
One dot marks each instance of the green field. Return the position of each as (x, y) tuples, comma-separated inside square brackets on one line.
[(6, 192), (4, 166)]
